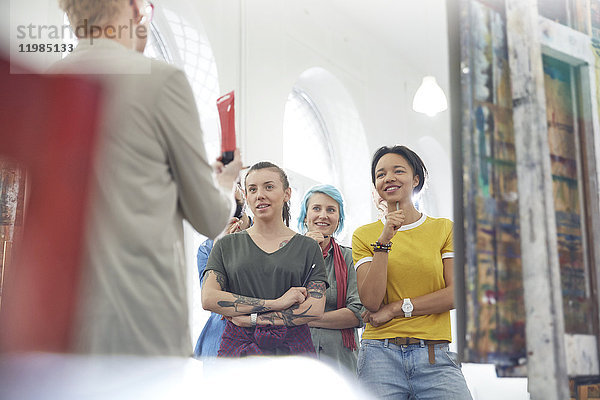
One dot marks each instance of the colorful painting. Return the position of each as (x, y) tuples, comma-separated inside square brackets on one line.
[(562, 140), (12, 185), (581, 11), (495, 328), (595, 19)]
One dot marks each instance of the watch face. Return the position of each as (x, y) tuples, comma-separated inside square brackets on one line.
[(408, 307)]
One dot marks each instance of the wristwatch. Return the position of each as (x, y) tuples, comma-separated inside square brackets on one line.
[(407, 307), (253, 318)]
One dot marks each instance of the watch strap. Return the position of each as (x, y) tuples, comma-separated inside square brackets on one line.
[(407, 302)]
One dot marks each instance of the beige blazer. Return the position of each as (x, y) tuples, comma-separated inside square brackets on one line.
[(151, 172)]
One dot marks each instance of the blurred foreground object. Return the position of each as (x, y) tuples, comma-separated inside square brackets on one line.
[(48, 130), (69, 377)]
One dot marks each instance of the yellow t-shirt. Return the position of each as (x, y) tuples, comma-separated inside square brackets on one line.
[(414, 269)]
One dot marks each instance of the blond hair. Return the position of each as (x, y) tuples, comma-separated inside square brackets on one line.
[(85, 14)]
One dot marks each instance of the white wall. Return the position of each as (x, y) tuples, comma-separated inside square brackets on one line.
[(297, 35), (278, 40)]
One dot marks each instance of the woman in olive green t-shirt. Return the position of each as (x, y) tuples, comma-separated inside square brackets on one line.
[(268, 281)]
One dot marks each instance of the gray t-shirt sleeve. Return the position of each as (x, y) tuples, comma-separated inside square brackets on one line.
[(215, 261), (352, 298)]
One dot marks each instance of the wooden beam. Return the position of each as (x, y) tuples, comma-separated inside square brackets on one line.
[(546, 366), (456, 110)]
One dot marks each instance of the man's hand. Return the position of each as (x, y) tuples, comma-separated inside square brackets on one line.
[(227, 174)]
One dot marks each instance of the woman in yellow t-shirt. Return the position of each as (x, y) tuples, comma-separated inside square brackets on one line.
[(404, 266)]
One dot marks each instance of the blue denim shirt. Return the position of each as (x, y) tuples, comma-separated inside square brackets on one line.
[(210, 338)]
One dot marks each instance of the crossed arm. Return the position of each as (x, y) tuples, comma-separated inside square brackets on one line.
[(372, 281), (341, 318), (432, 303), (346, 317), (297, 306)]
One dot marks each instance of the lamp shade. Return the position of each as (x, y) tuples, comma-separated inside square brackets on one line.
[(430, 98)]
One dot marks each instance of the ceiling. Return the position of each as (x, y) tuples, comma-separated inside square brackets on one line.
[(417, 29)]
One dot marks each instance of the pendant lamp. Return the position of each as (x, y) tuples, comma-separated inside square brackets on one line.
[(430, 98)]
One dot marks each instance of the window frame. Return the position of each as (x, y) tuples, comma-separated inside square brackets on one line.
[(574, 49), (324, 134)]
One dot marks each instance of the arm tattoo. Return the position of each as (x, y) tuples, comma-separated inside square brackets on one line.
[(258, 305), (287, 316), (316, 289), (221, 280), (268, 318)]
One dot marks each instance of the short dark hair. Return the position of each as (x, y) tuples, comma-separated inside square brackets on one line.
[(284, 179), (410, 156)]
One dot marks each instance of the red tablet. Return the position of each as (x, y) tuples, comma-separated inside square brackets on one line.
[(225, 105)]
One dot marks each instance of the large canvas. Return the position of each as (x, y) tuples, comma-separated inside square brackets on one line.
[(561, 100), (12, 195), (495, 326)]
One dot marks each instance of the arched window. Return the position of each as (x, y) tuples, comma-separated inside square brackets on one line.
[(192, 52), (324, 142), (174, 40), (306, 145), (156, 47)]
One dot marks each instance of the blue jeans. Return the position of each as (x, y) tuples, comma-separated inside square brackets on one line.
[(403, 372), (210, 338)]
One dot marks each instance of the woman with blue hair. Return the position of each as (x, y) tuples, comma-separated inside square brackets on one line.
[(335, 335)]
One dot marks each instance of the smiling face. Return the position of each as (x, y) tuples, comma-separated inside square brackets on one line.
[(394, 178), (322, 214), (265, 193)]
